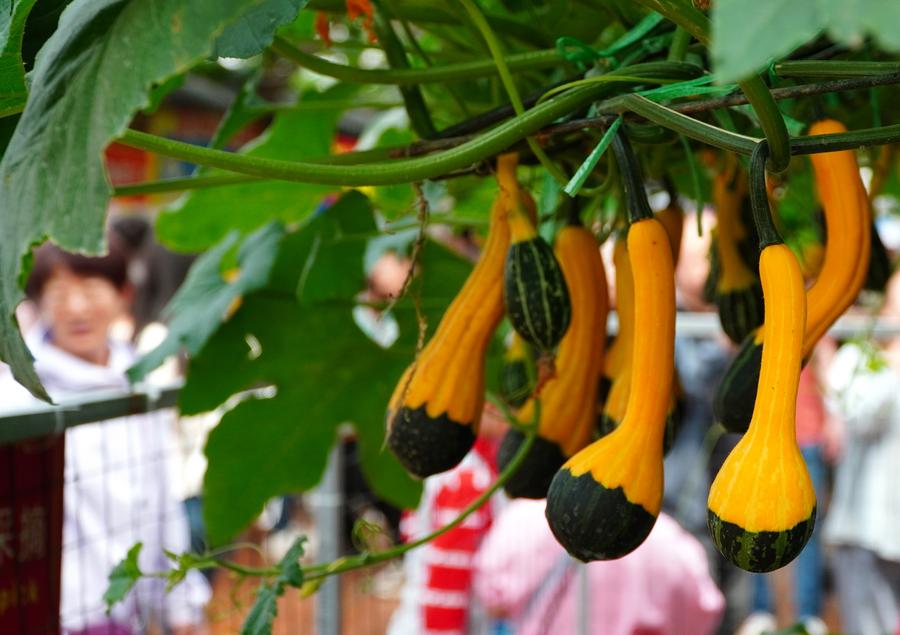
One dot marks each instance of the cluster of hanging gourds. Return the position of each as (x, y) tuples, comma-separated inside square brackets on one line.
[(605, 415)]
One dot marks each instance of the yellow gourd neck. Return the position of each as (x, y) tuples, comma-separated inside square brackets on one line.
[(520, 224), (653, 358), (728, 195), (618, 357), (782, 356), (848, 222), (672, 219)]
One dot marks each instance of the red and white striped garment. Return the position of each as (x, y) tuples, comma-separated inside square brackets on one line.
[(437, 596)]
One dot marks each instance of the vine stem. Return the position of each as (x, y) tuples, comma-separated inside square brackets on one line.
[(770, 118), (366, 559), (323, 570), (433, 13), (678, 47), (759, 198), (667, 116), (460, 157), (531, 60), (632, 179), (509, 84), (834, 68)]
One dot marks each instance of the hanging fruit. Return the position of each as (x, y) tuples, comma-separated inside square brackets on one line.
[(433, 415), (844, 267), (566, 417), (605, 500), (762, 505)]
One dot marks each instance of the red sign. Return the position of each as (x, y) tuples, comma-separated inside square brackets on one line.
[(31, 494)]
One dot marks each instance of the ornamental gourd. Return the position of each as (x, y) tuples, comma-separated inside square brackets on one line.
[(433, 415), (534, 289), (618, 366), (517, 372), (567, 400), (762, 506), (844, 267), (605, 500), (738, 294)]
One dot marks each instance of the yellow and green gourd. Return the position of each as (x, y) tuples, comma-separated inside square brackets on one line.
[(566, 417), (738, 295), (617, 363), (844, 267), (617, 371), (433, 415), (534, 289), (762, 506), (605, 500)]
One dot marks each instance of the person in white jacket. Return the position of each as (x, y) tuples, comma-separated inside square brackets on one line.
[(119, 486), (863, 523)]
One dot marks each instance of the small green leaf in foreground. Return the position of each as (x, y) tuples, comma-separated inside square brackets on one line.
[(261, 616), (123, 578)]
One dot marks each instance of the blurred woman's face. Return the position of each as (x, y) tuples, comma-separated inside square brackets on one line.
[(79, 311)]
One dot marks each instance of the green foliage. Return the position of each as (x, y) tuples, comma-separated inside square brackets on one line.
[(206, 295), (262, 615), (204, 217), (749, 35), (54, 181), (13, 91), (252, 32), (325, 370), (123, 577), (184, 563)]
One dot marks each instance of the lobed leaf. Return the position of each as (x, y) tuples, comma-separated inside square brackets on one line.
[(325, 370), (92, 75)]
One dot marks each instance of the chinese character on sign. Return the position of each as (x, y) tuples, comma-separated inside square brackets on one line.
[(32, 533), (6, 534)]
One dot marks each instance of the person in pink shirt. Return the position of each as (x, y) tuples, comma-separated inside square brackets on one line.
[(526, 579)]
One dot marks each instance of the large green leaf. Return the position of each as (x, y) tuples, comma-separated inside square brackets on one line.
[(13, 91), (851, 22), (203, 217), (253, 31), (747, 36), (206, 296), (92, 75), (326, 371)]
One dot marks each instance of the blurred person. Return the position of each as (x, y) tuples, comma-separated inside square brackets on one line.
[(863, 523), (437, 595), (525, 578), (118, 490)]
